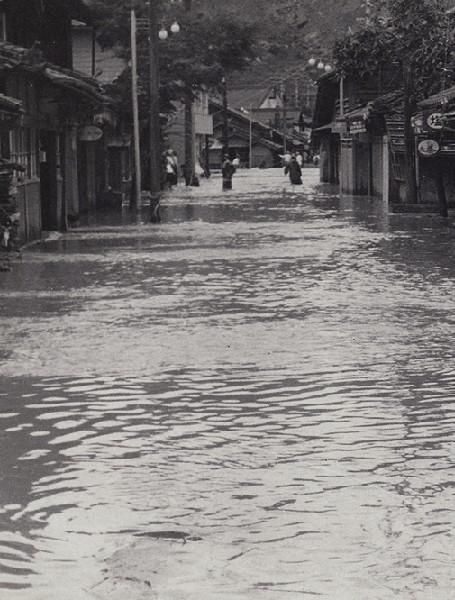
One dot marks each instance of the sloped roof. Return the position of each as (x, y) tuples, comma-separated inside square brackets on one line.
[(30, 60), (260, 130), (246, 97), (386, 104)]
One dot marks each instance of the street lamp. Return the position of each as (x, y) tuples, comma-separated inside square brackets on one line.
[(320, 65), (154, 114), (175, 27), (327, 68)]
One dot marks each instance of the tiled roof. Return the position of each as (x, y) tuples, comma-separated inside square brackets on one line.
[(31, 61)]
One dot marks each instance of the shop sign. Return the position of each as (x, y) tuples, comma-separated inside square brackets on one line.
[(428, 148), (359, 126), (90, 133), (417, 123), (435, 120), (340, 127), (448, 147)]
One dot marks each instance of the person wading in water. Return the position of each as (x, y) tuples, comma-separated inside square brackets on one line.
[(227, 171), (295, 171)]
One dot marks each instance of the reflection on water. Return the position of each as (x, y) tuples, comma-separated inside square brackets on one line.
[(254, 398)]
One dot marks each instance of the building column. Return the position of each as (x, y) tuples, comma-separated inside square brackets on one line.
[(71, 170)]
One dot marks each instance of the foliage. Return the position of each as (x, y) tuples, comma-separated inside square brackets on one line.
[(414, 40), (414, 37), (206, 48)]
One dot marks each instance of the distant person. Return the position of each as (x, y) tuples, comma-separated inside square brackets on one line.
[(227, 171), (171, 169), (294, 170), (286, 160), (299, 159)]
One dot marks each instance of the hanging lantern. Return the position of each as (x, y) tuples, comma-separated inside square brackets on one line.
[(163, 34), (175, 27), (328, 68), (312, 62), (321, 65)]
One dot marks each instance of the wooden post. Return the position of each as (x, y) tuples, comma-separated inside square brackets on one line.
[(409, 110), (251, 138), (189, 127), (285, 125), (137, 151), (154, 115), (440, 188), (207, 156), (189, 141), (225, 136)]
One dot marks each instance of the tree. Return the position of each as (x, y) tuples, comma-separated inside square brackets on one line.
[(415, 39), (198, 56)]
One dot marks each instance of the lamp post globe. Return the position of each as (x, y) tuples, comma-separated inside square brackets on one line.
[(328, 68), (175, 27), (163, 34), (321, 65), (312, 62)]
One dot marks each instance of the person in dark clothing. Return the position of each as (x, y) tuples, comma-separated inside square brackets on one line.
[(227, 171), (295, 171)]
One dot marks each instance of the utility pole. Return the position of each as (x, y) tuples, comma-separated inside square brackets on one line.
[(189, 126), (285, 125), (250, 157), (137, 151), (154, 116), (225, 136)]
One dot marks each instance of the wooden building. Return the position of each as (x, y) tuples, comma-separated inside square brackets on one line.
[(246, 135), (358, 131), (36, 71), (105, 163)]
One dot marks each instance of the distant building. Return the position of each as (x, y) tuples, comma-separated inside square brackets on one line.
[(273, 107), (265, 142), (202, 129)]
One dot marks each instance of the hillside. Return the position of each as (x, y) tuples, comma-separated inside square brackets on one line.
[(294, 30)]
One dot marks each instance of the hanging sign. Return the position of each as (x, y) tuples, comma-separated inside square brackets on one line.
[(90, 133), (358, 126), (435, 120), (428, 148)]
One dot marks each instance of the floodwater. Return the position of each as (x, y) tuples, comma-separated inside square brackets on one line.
[(253, 400)]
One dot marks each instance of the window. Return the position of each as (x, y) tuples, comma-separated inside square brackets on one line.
[(23, 150)]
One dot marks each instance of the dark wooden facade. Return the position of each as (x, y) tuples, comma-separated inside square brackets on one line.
[(35, 69)]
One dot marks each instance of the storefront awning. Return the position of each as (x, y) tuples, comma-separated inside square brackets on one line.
[(75, 82), (328, 127), (31, 61), (439, 99), (9, 105)]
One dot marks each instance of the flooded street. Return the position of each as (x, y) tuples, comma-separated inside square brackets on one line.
[(253, 400)]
